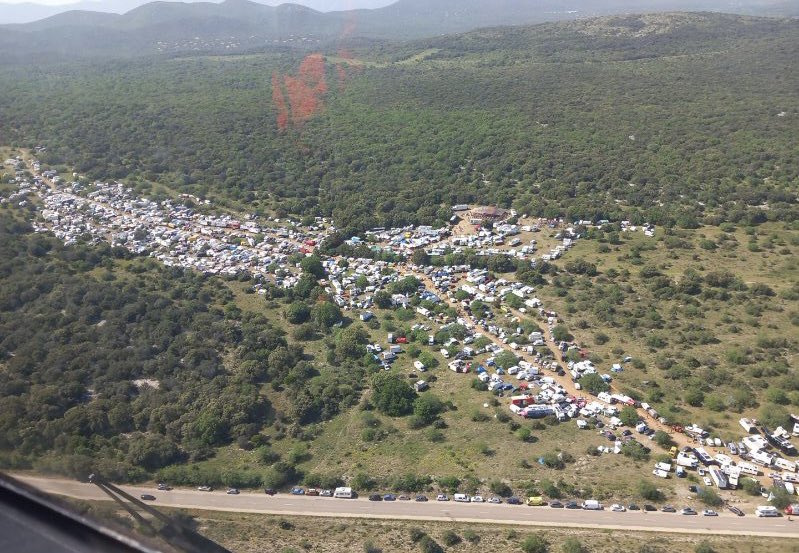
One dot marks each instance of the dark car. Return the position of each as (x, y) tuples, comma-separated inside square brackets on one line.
[(164, 487), (572, 505), (650, 508), (389, 497), (514, 501), (270, 491), (147, 497), (421, 498), (735, 510), (693, 489), (556, 504), (375, 497), (668, 509), (633, 507)]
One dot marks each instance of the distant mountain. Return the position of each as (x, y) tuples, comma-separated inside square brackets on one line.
[(241, 25)]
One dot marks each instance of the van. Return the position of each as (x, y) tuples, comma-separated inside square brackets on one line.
[(462, 497), (592, 505)]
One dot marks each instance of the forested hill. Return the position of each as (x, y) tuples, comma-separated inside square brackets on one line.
[(243, 25), (673, 118)]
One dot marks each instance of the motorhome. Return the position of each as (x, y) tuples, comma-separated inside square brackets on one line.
[(718, 477)]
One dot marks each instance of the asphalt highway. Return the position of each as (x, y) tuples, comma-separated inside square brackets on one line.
[(290, 505)]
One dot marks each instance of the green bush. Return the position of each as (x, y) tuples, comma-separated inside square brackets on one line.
[(535, 543), (450, 538)]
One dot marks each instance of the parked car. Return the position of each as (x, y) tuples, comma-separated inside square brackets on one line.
[(204, 488), (404, 498), (514, 501), (708, 482), (710, 513), (650, 508), (494, 500), (693, 489), (555, 504), (233, 491), (572, 505), (633, 507), (735, 510), (687, 511), (312, 491), (375, 497), (616, 508), (147, 497), (326, 493), (442, 497), (668, 509), (421, 498), (477, 499), (389, 497), (163, 487), (270, 491), (297, 491)]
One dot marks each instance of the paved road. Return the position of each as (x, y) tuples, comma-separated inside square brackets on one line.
[(289, 505)]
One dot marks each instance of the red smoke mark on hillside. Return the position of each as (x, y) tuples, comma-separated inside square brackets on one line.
[(299, 97), (307, 89)]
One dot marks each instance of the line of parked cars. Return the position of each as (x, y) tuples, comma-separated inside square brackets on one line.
[(589, 504)]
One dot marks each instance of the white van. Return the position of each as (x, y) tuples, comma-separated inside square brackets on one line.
[(462, 497), (343, 493), (592, 505)]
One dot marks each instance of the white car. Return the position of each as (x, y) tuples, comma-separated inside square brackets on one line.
[(618, 508), (442, 497), (494, 500), (710, 513), (477, 499), (708, 482)]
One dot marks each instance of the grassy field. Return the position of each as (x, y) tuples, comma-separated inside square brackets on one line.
[(734, 344)]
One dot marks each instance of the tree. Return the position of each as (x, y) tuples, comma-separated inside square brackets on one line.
[(535, 543), (573, 545), (561, 334), (312, 265), (694, 397), (427, 408), (629, 416), (297, 313), (704, 547), (780, 497), (506, 359), (635, 451), (392, 395), (709, 497), (382, 299), (593, 383), (647, 490), (420, 257), (663, 439), (500, 488), (325, 314), (772, 416)]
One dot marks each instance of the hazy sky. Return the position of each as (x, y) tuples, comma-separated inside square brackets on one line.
[(322, 5)]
